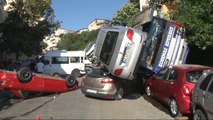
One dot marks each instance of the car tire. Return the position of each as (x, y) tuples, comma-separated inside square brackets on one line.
[(173, 108), (24, 75), (75, 73), (148, 91), (119, 95), (70, 81), (199, 115)]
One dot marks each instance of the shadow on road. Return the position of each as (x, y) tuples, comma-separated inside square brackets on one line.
[(133, 96), (5, 98), (161, 106), (157, 104)]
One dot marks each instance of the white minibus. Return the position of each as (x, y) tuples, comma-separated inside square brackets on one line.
[(62, 62)]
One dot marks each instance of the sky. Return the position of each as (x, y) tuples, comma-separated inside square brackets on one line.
[(78, 14)]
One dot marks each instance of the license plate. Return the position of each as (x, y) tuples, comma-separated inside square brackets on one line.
[(91, 91)]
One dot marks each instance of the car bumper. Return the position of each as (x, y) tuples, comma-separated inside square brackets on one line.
[(99, 93), (185, 105)]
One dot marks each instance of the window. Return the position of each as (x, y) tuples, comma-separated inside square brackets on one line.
[(46, 60), (172, 75), (193, 76), (211, 88), (75, 59), (60, 60), (205, 82), (82, 59), (108, 46), (97, 73), (161, 74)]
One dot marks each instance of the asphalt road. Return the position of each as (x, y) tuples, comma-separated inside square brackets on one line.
[(74, 105)]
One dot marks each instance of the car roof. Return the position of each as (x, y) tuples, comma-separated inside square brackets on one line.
[(121, 28), (191, 67)]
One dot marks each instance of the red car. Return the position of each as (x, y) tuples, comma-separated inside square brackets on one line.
[(173, 86), (24, 80)]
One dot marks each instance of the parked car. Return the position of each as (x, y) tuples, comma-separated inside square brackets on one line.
[(202, 97), (119, 49), (173, 86), (99, 83), (24, 81)]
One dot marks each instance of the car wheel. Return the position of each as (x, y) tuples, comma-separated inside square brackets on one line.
[(199, 115), (148, 91), (119, 95), (75, 73), (24, 75), (173, 108), (70, 81)]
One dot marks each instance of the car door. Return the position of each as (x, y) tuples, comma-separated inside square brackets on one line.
[(168, 84), (157, 83), (208, 97), (47, 65)]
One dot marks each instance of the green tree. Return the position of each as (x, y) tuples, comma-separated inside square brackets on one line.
[(198, 21), (127, 12), (24, 28), (74, 41)]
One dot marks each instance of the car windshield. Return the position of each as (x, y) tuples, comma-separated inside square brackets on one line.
[(97, 73), (193, 76)]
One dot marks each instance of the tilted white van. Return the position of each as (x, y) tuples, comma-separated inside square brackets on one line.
[(166, 44)]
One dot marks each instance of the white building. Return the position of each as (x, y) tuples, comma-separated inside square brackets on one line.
[(53, 39), (97, 24), (143, 4)]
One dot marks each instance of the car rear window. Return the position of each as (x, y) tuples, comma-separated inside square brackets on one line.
[(193, 76), (108, 47), (97, 73)]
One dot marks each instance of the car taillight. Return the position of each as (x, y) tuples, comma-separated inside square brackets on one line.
[(186, 90), (118, 71), (107, 81), (84, 78), (130, 34)]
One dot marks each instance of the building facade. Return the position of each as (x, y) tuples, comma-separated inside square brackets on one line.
[(53, 39), (97, 24)]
